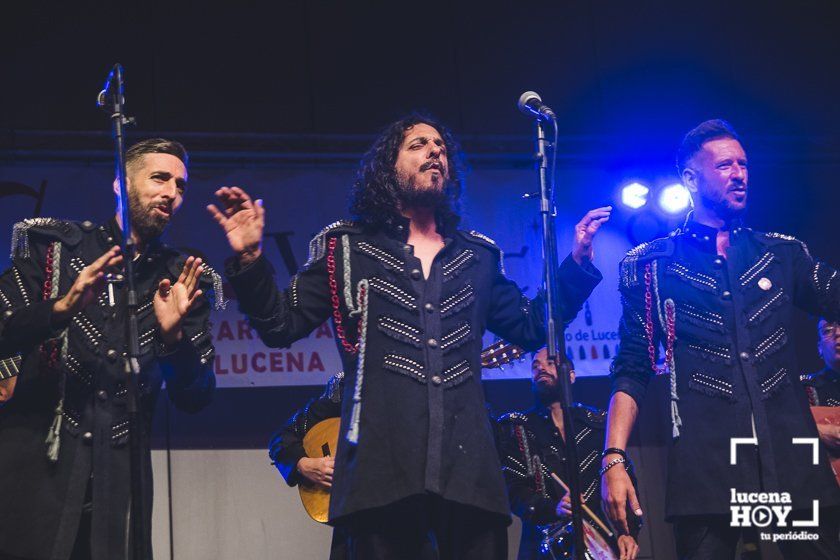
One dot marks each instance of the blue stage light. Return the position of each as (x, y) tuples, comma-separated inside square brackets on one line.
[(674, 199), (634, 195)]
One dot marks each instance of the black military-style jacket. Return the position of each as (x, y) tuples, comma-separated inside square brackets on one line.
[(83, 380), (822, 387), (531, 448), (734, 372), (413, 416)]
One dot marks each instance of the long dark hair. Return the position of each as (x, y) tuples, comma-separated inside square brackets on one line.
[(374, 200)]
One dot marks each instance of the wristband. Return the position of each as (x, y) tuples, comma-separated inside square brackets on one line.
[(615, 450), (611, 464)]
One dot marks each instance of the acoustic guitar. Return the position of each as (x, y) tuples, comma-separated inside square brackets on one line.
[(829, 415), (9, 368), (322, 439)]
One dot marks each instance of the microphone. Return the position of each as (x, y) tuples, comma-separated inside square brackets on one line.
[(531, 103), (112, 91)]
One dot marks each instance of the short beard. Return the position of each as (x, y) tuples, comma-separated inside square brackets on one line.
[(547, 394), (410, 196), (144, 221)]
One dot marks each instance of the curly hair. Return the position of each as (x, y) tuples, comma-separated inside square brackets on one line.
[(374, 199)]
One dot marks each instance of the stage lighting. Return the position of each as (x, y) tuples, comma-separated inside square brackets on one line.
[(674, 199), (634, 195)]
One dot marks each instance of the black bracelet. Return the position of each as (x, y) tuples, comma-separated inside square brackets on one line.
[(615, 450)]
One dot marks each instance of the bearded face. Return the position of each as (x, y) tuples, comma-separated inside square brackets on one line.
[(155, 192), (422, 167), (147, 218)]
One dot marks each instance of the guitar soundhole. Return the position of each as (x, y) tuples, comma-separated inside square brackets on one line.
[(325, 449)]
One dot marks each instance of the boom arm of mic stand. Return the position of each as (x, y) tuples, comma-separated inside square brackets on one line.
[(555, 329)]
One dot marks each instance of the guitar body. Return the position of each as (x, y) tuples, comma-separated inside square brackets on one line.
[(829, 415), (320, 441)]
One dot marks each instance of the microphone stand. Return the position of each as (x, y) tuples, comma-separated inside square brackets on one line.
[(555, 332), (111, 100)]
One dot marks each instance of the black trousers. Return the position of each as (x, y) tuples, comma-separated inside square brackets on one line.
[(426, 528), (710, 537)]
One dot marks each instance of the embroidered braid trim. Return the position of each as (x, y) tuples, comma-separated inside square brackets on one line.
[(669, 326), (670, 330), (356, 413), (336, 301)]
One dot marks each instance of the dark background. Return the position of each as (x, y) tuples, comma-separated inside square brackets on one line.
[(310, 83)]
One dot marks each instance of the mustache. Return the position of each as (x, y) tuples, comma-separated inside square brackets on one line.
[(428, 165)]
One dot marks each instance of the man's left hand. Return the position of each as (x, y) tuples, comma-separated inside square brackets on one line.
[(585, 231), (628, 548), (173, 301)]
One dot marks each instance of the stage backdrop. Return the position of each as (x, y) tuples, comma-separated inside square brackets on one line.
[(299, 203)]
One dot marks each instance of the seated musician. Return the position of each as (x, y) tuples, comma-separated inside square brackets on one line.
[(532, 446), (288, 455), (823, 387)]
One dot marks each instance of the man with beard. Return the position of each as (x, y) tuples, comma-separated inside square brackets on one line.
[(532, 445), (410, 296), (823, 387), (720, 297), (64, 464)]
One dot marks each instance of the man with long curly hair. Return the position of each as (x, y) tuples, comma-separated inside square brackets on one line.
[(416, 474)]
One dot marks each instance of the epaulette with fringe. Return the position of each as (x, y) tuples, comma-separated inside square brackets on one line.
[(486, 241), (318, 244), (210, 274), (772, 237), (595, 417), (646, 251), (69, 233), (334, 388), (513, 418)]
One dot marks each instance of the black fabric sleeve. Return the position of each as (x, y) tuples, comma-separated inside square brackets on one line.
[(816, 284), (281, 317), (521, 321), (25, 317), (631, 369), (188, 367)]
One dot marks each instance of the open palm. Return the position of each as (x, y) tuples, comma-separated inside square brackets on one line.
[(173, 301), (242, 219)]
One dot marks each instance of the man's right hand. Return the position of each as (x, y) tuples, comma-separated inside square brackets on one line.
[(7, 389), (242, 220), (617, 492), (318, 471), (564, 507), (87, 287)]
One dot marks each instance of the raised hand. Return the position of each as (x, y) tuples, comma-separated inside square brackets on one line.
[(87, 287), (317, 470), (173, 301), (242, 220), (585, 231)]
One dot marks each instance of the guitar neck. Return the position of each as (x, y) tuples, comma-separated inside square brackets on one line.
[(9, 367)]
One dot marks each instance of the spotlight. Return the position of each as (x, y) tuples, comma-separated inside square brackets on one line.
[(634, 195), (674, 199)]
